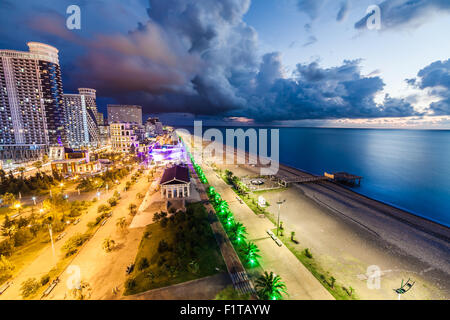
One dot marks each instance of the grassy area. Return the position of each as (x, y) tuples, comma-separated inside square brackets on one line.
[(174, 250), (280, 189)]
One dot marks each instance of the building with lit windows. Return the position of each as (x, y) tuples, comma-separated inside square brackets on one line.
[(32, 116), (82, 119), (126, 137)]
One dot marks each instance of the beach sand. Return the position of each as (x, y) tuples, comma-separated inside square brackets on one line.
[(347, 233)]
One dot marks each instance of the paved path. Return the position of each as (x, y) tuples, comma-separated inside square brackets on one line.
[(301, 284)]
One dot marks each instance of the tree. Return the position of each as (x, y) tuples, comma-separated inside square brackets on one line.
[(250, 251), (143, 264), (38, 165), (6, 269), (238, 232), (121, 223), (8, 199), (83, 292), (108, 244), (132, 208), (29, 287), (270, 287)]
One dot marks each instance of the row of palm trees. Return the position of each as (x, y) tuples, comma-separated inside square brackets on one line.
[(269, 286)]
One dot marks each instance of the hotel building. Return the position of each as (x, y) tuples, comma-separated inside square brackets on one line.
[(124, 114), (32, 113), (126, 136), (82, 119)]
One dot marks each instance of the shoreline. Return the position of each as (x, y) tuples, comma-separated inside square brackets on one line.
[(402, 211), (349, 231)]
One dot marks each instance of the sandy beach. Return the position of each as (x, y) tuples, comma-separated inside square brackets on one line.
[(348, 232)]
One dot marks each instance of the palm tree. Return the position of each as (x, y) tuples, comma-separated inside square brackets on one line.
[(270, 287), (121, 223), (250, 251), (238, 232), (108, 244), (132, 209)]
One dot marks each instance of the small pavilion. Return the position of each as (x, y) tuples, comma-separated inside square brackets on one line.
[(175, 183)]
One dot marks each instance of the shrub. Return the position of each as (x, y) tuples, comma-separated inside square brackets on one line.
[(112, 202), (45, 279), (71, 246), (163, 246), (130, 284), (22, 236), (6, 247), (29, 287), (308, 253), (6, 269), (143, 264)]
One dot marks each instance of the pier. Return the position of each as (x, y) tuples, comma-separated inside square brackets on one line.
[(286, 176), (345, 178)]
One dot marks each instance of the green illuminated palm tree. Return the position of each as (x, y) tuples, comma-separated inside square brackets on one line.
[(250, 251), (270, 287), (238, 232)]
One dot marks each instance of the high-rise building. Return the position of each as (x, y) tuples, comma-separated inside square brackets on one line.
[(153, 127), (82, 119), (32, 113), (126, 136), (124, 114)]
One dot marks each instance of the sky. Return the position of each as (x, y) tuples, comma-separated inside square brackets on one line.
[(243, 62)]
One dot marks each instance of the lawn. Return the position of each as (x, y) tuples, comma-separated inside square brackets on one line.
[(176, 249)]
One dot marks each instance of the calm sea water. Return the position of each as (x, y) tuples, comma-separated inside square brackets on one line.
[(409, 169)]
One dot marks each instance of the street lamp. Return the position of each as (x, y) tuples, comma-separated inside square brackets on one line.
[(279, 207), (34, 200), (53, 245)]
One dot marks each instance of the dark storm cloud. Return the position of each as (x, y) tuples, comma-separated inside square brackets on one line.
[(436, 78), (398, 13), (199, 57), (322, 93), (343, 10), (311, 7)]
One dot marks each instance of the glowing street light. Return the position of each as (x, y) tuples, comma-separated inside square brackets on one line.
[(34, 200)]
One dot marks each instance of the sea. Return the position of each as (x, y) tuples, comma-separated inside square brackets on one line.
[(408, 169)]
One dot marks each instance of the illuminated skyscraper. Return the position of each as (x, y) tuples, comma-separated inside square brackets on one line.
[(32, 113), (82, 119)]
